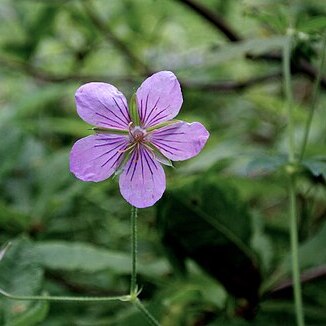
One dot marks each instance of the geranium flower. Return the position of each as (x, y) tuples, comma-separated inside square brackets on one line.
[(134, 141)]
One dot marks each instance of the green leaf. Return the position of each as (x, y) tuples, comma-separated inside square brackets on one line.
[(12, 219), (67, 256), (36, 314), (4, 249), (229, 52), (79, 256), (209, 210), (20, 274), (317, 166), (313, 24), (261, 243), (311, 254), (266, 164)]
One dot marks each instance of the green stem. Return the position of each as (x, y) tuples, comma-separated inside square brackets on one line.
[(133, 281), (63, 298), (314, 99), (295, 254), (292, 197), (146, 313), (289, 96)]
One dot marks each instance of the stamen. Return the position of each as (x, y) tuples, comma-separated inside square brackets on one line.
[(127, 149), (150, 149)]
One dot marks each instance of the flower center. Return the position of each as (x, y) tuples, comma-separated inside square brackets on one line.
[(137, 134)]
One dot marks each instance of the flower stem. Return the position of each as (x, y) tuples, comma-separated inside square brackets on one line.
[(291, 186), (289, 96), (133, 281), (295, 255), (146, 313), (63, 298), (314, 99)]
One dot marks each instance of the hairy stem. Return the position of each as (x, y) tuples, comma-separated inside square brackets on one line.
[(63, 298), (291, 185), (289, 97), (146, 313), (133, 281), (295, 254)]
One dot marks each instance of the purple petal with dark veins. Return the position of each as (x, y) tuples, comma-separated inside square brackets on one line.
[(142, 183), (159, 98), (102, 105), (96, 157), (180, 140)]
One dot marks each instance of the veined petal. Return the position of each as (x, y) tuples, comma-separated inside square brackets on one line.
[(142, 182), (102, 105), (180, 140), (96, 157), (159, 98)]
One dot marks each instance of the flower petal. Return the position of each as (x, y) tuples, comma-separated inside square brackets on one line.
[(96, 157), (142, 183), (159, 98), (180, 140), (102, 105)]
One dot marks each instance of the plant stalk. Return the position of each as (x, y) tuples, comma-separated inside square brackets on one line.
[(133, 281), (291, 187), (63, 298), (146, 313)]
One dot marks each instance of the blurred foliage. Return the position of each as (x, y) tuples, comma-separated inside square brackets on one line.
[(215, 249)]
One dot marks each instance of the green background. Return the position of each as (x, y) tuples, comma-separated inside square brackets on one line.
[(215, 249)]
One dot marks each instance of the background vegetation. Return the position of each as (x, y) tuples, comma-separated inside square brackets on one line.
[(215, 250)]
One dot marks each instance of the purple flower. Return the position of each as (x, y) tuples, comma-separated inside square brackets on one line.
[(134, 141)]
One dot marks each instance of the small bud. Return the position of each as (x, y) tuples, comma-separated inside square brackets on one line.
[(303, 36), (291, 169), (290, 31)]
